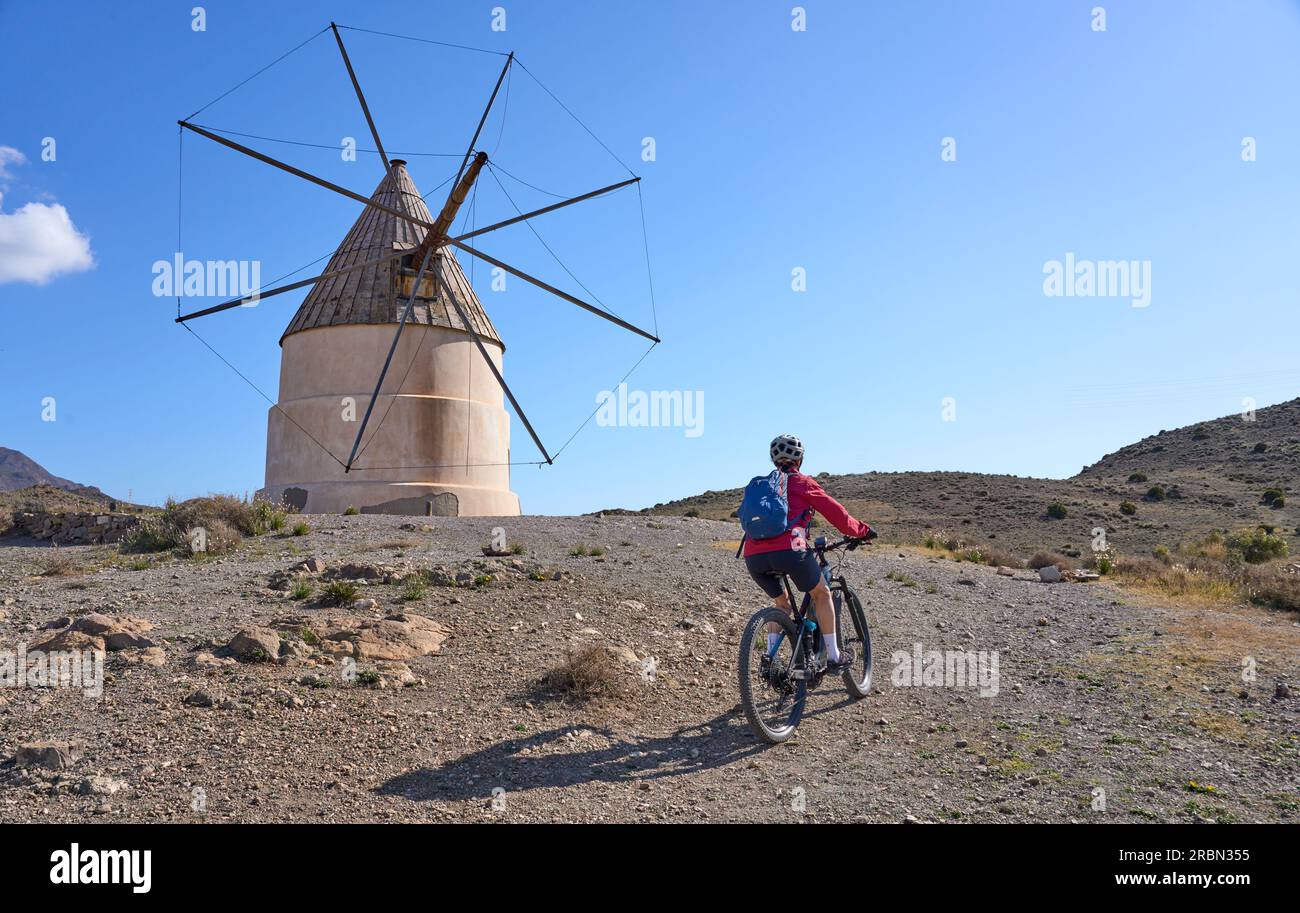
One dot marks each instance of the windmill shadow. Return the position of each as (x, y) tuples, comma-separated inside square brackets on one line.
[(531, 762)]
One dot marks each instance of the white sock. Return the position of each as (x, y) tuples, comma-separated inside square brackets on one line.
[(771, 642), (832, 648)]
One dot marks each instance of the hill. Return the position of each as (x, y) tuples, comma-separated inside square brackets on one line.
[(1175, 486), (17, 470)]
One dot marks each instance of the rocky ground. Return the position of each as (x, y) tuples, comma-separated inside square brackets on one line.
[(429, 707)]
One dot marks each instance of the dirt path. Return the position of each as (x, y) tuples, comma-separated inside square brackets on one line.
[(1098, 689)]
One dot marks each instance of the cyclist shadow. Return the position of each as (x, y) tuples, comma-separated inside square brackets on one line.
[(574, 755)]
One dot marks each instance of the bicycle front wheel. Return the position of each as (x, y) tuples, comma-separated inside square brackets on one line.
[(852, 630), (772, 696)]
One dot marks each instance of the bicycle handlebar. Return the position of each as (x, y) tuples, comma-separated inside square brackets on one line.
[(848, 542)]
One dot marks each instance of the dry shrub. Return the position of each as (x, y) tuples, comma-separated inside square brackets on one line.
[(1219, 569), (152, 534), (60, 564), (1198, 582), (235, 512), (219, 538), (1272, 586), (1044, 559), (220, 515), (586, 673), (996, 558)]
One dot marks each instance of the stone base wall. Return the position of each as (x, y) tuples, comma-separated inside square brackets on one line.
[(74, 528)]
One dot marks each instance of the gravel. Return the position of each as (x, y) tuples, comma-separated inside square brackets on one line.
[(1095, 717)]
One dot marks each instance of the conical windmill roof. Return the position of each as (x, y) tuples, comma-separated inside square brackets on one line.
[(372, 294)]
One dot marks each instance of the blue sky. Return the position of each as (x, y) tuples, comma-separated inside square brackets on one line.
[(775, 150)]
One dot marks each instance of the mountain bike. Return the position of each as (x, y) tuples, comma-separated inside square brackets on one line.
[(774, 683)]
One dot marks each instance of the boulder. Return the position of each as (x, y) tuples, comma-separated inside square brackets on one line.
[(399, 637), (1049, 574), (255, 644), (372, 573), (49, 755), (68, 640), (199, 699), (396, 674), (207, 660), (624, 654), (100, 632), (149, 656), (100, 786)]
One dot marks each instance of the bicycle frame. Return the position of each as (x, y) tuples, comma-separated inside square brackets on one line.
[(799, 615)]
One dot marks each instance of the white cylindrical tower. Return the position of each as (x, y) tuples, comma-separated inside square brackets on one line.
[(438, 441)]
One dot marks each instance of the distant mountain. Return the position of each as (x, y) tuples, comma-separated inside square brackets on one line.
[(17, 470)]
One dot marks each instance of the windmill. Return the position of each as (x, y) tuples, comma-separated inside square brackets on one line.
[(439, 441)]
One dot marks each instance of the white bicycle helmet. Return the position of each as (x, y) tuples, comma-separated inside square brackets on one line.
[(786, 450)]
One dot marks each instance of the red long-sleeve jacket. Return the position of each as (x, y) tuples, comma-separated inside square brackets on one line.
[(804, 493)]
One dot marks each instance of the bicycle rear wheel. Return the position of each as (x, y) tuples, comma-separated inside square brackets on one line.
[(772, 698), (853, 631)]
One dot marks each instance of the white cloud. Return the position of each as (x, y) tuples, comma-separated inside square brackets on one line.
[(10, 156), (38, 242)]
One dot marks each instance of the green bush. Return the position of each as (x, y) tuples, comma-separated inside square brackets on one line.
[(1056, 510), (340, 592), (1128, 508), (151, 534), (1261, 447), (351, 512), (413, 588), (1256, 546), (300, 529), (1137, 478), (1156, 493), (1273, 497), (267, 517)]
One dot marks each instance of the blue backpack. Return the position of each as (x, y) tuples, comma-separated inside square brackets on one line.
[(765, 507)]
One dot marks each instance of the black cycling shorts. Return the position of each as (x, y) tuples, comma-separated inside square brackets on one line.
[(802, 567)]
